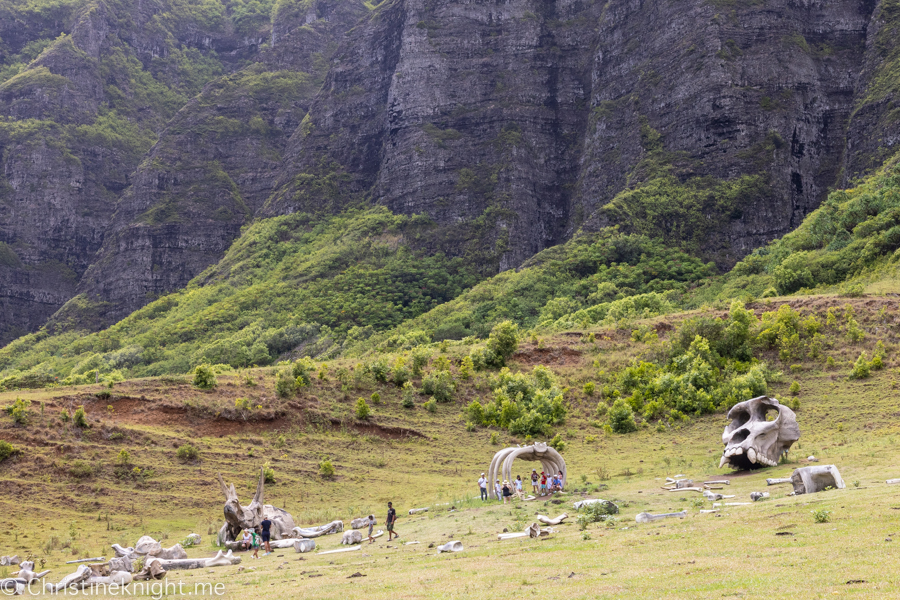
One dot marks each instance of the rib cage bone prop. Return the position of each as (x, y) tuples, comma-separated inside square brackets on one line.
[(238, 517), (501, 465), (751, 440)]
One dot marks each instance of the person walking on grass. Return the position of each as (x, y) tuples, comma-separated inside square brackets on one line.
[(256, 542), (498, 490), (482, 483), (371, 526), (518, 486), (506, 493), (543, 484), (534, 481), (266, 526), (391, 519)]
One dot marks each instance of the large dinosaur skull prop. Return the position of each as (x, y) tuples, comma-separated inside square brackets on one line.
[(761, 430), (238, 517)]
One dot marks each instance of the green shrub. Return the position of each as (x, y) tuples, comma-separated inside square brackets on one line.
[(302, 370), (19, 411), (470, 426), (7, 450), (503, 341), (268, 473), (245, 403), (621, 417), (419, 360), (794, 389), (64, 415), (362, 409), (326, 469), (80, 418), (81, 469), (430, 405), (124, 457), (878, 356), (204, 377), (286, 383), (861, 368), (408, 393), (439, 385), (495, 438), (379, 370), (821, 515), (376, 398), (589, 388), (187, 453), (466, 367), (399, 373), (557, 443)]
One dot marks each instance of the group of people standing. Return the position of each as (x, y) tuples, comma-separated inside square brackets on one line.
[(541, 484), (259, 536)]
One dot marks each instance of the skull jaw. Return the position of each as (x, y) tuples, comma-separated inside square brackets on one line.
[(749, 456)]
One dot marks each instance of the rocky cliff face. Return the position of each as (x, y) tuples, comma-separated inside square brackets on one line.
[(713, 123)]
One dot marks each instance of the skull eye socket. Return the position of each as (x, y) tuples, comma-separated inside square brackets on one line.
[(740, 418), (739, 436)]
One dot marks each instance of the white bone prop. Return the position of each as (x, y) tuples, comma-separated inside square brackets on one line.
[(687, 489), (81, 560), (753, 441), (647, 517), (221, 559), (778, 481), (414, 511), (314, 532), (715, 504), (82, 573), (454, 546), (359, 523), (353, 536), (718, 482), (347, 549), (613, 509), (501, 465), (549, 521), (756, 496), (706, 512), (6, 561), (118, 578), (238, 517), (122, 563), (12, 586), (892, 481), (809, 480), (304, 545), (27, 573)]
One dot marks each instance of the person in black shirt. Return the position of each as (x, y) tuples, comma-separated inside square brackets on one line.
[(391, 518), (266, 534)]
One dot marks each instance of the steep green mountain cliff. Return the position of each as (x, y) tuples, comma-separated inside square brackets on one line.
[(607, 149)]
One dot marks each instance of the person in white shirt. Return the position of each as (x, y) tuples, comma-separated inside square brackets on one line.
[(498, 490), (518, 487), (246, 540), (482, 483)]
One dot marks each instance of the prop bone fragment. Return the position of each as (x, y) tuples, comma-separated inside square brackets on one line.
[(414, 511), (549, 521), (81, 574), (809, 480), (347, 549), (314, 532), (27, 573), (454, 546), (221, 559), (892, 481), (81, 560), (648, 518)]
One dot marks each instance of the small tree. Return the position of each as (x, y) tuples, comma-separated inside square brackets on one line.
[(376, 398), (204, 377), (302, 371), (80, 417), (408, 392), (362, 409), (286, 383), (124, 457), (326, 469), (7, 450), (440, 385), (431, 405), (861, 368), (19, 411), (503, 340), (466, 367), (794, 389), (621, 417), (268, 473), (557, 443), (589, 388)]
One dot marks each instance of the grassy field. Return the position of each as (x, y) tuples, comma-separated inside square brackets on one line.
[(771, 549)]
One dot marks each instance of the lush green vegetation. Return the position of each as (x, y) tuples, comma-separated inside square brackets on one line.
[(293, 282), (856, 232)]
